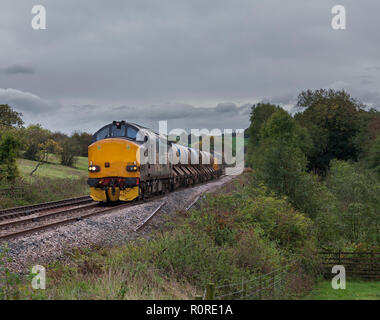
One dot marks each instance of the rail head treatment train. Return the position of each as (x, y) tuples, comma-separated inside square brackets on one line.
[(124, 164)]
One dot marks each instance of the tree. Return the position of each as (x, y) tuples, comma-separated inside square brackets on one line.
[(260, 113), (374, 156), (33, 136), (280, 160), (59, 137), (332, 120), (8, 152), (68, 152), (369, 129), (358, 195), (9, 117), (82, 140), (44, 149)]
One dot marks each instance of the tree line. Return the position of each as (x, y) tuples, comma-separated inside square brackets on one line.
[(326, 160), (35, 143)]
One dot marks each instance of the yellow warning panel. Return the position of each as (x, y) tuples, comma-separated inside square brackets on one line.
[(129, 194)]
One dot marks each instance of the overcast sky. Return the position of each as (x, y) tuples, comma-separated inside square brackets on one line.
[(195, 63)]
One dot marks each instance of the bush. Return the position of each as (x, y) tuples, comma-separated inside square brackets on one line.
[(8, 152), (358, 202), (68, 153)]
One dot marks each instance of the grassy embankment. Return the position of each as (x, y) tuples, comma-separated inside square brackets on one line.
[(233, 236), (53, 169), (355, 290), (50, 182)]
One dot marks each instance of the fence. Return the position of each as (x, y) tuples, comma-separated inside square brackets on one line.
[(268, 286), (12, 192), (357, 264)]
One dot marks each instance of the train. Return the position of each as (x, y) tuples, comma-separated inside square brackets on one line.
[(128, 162)]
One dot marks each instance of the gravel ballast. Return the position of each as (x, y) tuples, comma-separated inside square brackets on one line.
[(112, 228)]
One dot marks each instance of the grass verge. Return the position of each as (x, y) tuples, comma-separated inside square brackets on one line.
[(225, 240), (355, 290), (52, 169)]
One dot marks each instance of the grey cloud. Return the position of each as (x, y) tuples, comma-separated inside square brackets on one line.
[(366, 81), (226, 107), (27, 102), (17, 69), (92, 117), (285, 99), (178, 59), (373, 68)]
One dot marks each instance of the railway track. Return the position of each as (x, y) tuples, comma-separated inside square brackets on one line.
[(28, 219), (32, 209), (48, 220), (49, 215)]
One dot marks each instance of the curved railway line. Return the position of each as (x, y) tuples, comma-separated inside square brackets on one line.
[(20, 221), (32, 209), (48, 215)]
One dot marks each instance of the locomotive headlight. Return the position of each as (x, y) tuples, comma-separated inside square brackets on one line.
[(94, 168), (132, 168)]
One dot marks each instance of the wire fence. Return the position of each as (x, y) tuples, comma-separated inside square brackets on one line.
[(268, 286)]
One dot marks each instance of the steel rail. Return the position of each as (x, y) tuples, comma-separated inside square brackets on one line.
[(47, 215), (5, 213), (61, 203), (62, 222)]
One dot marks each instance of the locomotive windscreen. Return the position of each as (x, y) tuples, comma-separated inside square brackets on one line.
[(116, 131)]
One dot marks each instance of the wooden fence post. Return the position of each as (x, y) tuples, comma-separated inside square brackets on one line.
[(210, 291)]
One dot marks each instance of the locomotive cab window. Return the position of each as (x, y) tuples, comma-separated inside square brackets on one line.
[(118, 131), (131, 133), (102, 134)]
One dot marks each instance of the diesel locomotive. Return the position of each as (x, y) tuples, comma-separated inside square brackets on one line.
[(127, 161)]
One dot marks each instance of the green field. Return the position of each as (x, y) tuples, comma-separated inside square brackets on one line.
[(355, 290), (53, 169)]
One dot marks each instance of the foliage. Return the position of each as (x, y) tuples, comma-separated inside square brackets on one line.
[(9, 282), (373, 158), (44, 149), (332, 119), (9, 117), (344, 205), (358, 201), (82, 140), (34, 136), (8, 152), (236, 234), (260, 113), (280, 160), (369, 130), (68, 152)]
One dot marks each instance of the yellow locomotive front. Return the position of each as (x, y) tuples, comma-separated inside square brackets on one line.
[(114, 166)]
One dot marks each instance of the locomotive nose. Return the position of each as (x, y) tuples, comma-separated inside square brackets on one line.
[(116, 175), (113, 157)]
